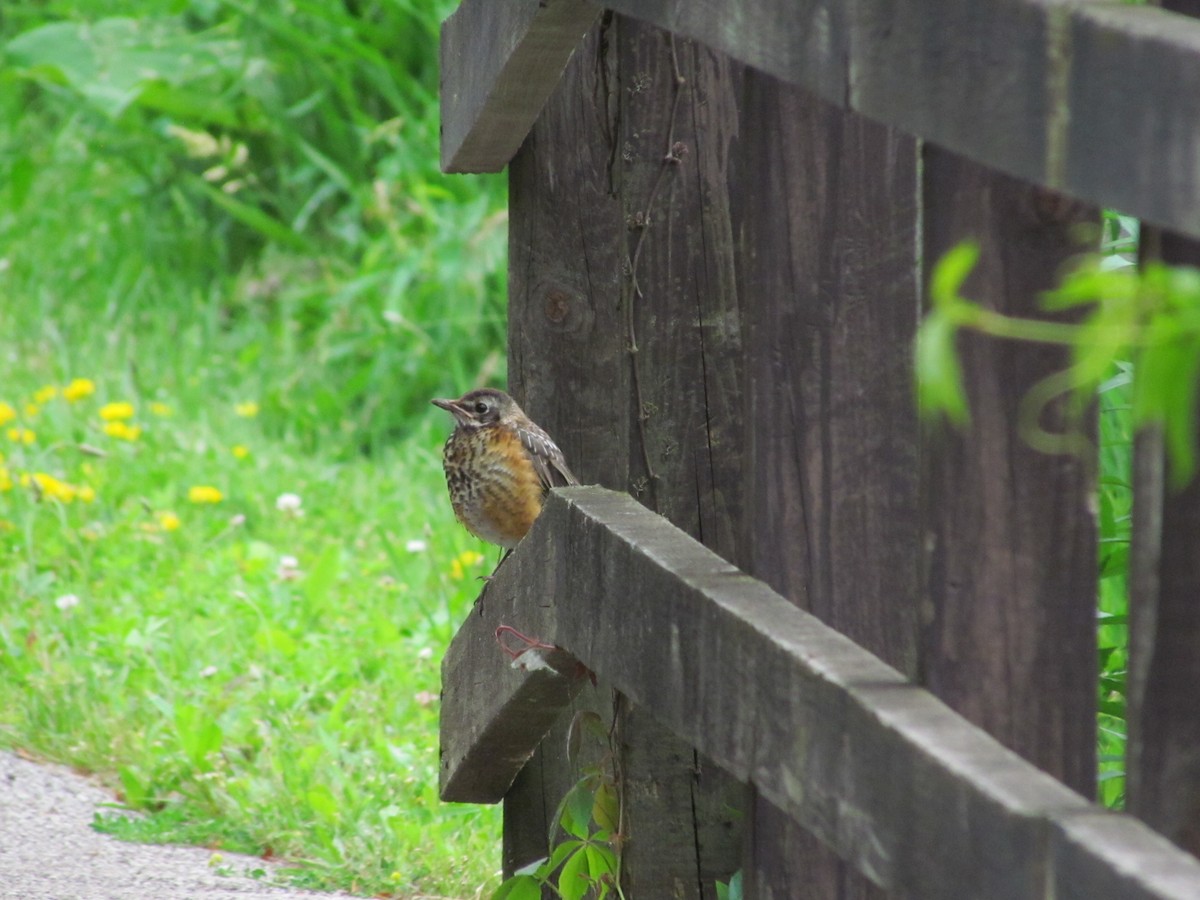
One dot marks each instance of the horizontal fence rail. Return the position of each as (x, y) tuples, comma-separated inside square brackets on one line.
[(1096, 98), (913, 796)]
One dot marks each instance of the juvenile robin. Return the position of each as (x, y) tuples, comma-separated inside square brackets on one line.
[(499, 466)]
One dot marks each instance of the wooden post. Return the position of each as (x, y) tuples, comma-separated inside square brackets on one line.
[(825, 214), (623, 337), (1163, 750), (1163, 707), (1010, 631)]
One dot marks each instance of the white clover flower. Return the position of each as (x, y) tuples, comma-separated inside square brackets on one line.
[(288, 568), (67, 601), (289, 503), (416, 546)]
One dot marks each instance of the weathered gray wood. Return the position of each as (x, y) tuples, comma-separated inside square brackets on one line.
[(528, 699), (590, 164), (1069, 111), (1140, 865), (1010, 634), (500, 61), (825, 215), (912, 795), (1163, 751), (566, 341)]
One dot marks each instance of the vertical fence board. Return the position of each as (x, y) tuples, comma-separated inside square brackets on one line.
[(825, 220), (1010, 639), (575, 186), (1163, 706), (564, 292), (1163, 752)]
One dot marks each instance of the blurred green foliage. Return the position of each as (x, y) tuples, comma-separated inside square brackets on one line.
[(294, 145)]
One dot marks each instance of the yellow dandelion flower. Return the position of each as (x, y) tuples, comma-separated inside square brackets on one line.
[(168, 521), (78, 389), (50, 487), (462, 562), (116, 412), (123, 432), (6, 482), (22, 436), (7, 413), (239, 451), (204, 494), (87, 493), (31, 410), (45, 394), (247, 410), (160, 409)]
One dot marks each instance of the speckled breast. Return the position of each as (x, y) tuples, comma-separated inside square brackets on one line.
[(494, 489)]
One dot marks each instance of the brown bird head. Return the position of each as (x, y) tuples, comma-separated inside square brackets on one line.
[(485, 406)]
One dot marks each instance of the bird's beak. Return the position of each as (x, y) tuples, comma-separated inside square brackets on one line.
[(452, 407)]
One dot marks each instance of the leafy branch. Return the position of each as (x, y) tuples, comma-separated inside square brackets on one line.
[(586, 862), (1149, 316)]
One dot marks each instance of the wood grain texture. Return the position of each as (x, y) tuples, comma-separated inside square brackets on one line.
[(589, 163), (1163, 752), (1051, 91), (912, 795), (527, 701), (824, 213), (1010, 631), (499, 63)]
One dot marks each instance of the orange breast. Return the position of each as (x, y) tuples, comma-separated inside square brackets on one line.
[(494, 488)]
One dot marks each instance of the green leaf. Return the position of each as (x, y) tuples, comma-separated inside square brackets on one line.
[(606, 808), (199, 735), (939, 378), (322, 802), (601, 862), (575, 812), (949, 274), (573, 880), (253, 217), (519, 887), (735, 886), (20, 180)]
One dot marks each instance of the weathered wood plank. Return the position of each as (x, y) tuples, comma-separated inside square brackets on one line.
[(1163, 752), (1052, 91), (825, 216), (912, 795), (1009, 641), (530, 697), (587, 167), (500, 61)]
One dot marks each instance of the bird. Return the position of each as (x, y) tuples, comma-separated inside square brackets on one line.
[(499, 466)]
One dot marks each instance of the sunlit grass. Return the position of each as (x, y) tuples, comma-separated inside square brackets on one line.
[(227, 292), (246, 642)]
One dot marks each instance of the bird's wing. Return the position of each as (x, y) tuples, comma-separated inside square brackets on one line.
[(547, 459)]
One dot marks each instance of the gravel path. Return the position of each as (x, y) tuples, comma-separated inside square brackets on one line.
[(48, 850)]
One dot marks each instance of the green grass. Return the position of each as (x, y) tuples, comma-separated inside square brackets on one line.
[(203, 206), (253, 700)]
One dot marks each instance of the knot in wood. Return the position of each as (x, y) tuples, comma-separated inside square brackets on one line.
[(558, 305)]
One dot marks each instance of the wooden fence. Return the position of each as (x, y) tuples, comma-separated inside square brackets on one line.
[(719, 217)]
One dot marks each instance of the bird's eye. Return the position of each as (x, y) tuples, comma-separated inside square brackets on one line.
[(481, 407)]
